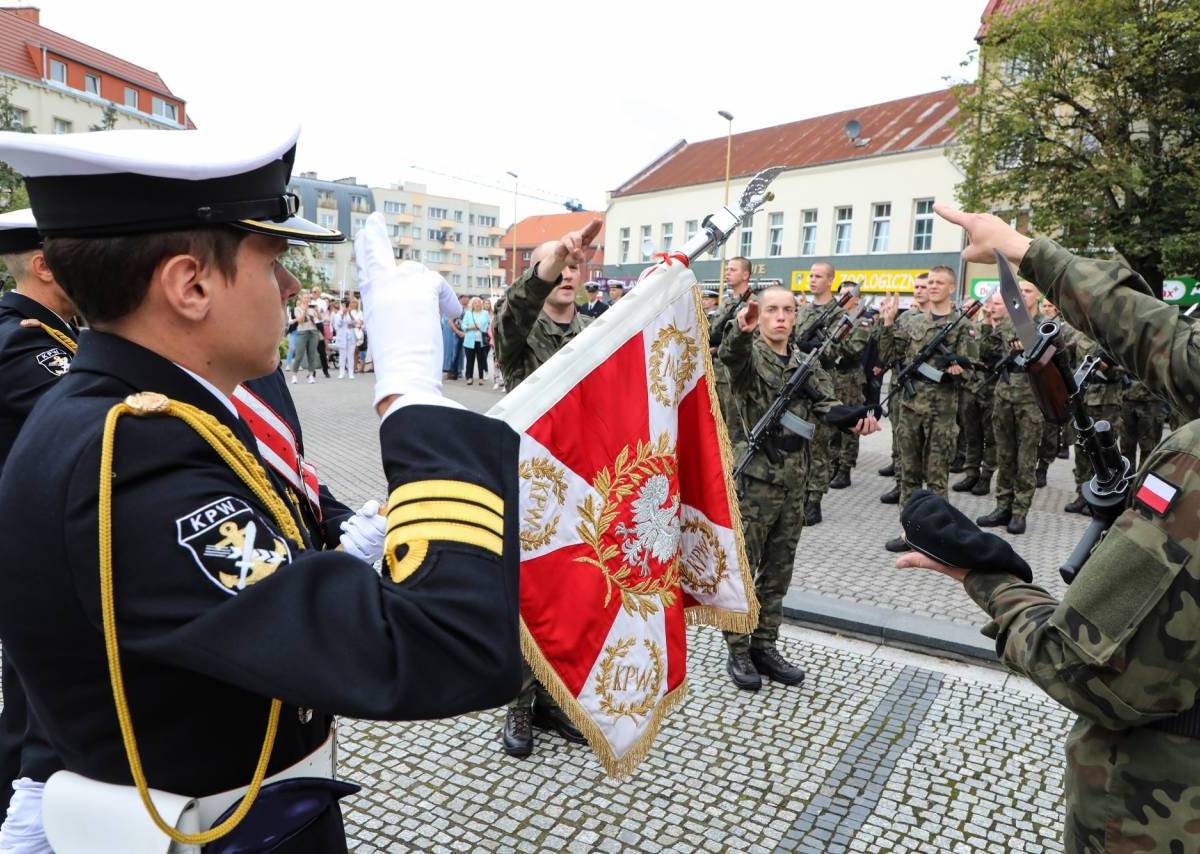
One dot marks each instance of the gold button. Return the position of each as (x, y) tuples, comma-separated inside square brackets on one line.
[(147, 402)]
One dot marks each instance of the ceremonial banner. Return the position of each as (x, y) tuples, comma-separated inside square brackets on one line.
[(629, 521)]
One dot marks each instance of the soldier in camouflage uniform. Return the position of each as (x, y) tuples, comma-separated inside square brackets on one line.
[(1142, 416), (822, 451), (920, 302), (929, 411), (759, 354), (848, 384), (1017, 425), (1120, 648), (539, 317), (737, 283), (975, 410), (1103, 399)]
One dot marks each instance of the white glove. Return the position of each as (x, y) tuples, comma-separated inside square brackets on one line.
[(400, 310), (363, 533)]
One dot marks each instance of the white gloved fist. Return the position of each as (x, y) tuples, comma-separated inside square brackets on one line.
[(400, 310), (363, 534)]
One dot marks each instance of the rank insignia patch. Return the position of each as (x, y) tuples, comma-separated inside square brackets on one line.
[(232, 544), (55, 360)]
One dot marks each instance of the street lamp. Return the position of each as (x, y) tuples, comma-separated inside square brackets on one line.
[(514, 232), (727, 116)]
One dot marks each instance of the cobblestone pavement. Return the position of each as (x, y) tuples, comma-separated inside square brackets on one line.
[(881, 750)]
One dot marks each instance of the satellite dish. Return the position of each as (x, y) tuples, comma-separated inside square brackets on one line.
[(853, 128)]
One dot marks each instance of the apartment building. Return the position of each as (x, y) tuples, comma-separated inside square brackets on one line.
[(533, 231)]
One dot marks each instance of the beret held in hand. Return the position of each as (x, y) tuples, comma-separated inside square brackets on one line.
[(845, 417), (935, 528)]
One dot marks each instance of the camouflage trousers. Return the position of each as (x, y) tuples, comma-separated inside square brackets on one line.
[(978, 439), (1048, 447), (821, 461), (843, 447), (927, 443), (1110, 412), (1141, 429), (895, 417), (772, 518), (1018, 430)]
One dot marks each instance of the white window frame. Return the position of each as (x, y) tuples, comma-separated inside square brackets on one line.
[(164, 109), (746, 240), (843, 218), (668, 236), (689, 229), (55, 66), (63, 125), (624, 256), (922, 218), (646, 247), (88, 77), (808, 232), (881, 227), (326, 220), (137, 99), (775, 234)]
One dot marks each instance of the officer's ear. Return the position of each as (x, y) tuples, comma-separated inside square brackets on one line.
[(40, 269), (186, 285)]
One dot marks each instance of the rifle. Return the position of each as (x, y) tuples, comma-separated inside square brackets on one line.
[(777, 415), (817, 325), (919, 366)]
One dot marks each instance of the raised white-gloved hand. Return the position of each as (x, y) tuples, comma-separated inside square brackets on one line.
[(400, 310), (363, 533)]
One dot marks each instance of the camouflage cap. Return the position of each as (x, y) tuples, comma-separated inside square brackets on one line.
[(935, 528)]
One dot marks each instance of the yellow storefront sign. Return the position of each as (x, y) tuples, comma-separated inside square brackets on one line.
[(873, 281)]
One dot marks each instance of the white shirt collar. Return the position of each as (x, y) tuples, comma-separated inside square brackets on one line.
[(216, 392)]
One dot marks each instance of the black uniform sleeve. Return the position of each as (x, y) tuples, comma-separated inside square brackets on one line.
[(333, 514), (205, 581), (31, 364)]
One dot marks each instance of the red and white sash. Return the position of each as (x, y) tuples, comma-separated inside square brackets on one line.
[(278, 446)]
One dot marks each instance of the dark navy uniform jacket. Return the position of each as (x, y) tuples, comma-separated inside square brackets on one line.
[(201, 656)]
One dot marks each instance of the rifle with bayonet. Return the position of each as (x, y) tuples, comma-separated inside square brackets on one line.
[(1059, 392), (813, 333), (762, 436)]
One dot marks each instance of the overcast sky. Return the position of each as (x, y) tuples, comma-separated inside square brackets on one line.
[(574, 97)]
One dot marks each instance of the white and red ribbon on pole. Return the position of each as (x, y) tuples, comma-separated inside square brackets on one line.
[(278, 447)]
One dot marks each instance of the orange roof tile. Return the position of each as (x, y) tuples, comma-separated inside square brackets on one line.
[(534, 230), (999, 7), (907, 124)]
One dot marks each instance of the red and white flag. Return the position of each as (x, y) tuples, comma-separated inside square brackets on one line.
[(629, 521)]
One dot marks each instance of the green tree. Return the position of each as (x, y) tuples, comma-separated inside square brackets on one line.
[(1087, 112), (299, 261), (108, 121), (12, 187)]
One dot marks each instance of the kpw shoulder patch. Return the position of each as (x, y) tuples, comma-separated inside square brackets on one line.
[(55, 360), (1156, 495), (232, 544)]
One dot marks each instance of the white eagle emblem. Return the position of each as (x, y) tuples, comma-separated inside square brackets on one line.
[(656, 531)]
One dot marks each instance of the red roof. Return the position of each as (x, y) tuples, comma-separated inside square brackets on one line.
[(21, 43), (534, 230), (908, 124), (999, 7)]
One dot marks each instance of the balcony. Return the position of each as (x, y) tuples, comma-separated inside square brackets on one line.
[(448, 223), (494, 231), (360, 207), (326, 202), (444, 267), (403, 240), (449, 245), (405, 218), (495, 251)]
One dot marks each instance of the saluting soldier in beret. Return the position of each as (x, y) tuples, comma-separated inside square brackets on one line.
[(1121, 647), (163, 603)]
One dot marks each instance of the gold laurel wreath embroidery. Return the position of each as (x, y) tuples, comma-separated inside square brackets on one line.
[(642, 598), (541, 470), (604, 690), (677, 371), (701, 556)]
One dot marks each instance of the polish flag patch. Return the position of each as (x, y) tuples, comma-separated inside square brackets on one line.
[(1156, 495)]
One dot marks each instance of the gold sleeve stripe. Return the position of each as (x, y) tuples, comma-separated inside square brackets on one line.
[(425, 490), (417, 537), (446, 511)]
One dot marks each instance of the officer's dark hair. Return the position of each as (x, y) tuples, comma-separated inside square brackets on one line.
[(107, 277), (745, 262)]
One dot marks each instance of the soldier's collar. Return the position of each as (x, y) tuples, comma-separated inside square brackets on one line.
[(33, 309)]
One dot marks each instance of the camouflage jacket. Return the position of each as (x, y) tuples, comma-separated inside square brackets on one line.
[(846, 356), (525, 336), (1121, 648), (902, 342), (756, 374), (1107, 388), (1012, 386)]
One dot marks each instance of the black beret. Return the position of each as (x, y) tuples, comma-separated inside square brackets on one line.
[(844, 417), (935, 528)]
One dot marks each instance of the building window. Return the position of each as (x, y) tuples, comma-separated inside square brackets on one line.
[(923, 225), (393, 207), (808, 232), (357, 223), (668, 236), (62, 126), (647, 244), (418, 210), (437, 213), (91, 84), (458, 216), (488, 221), (325, 220), (131, 98), (624, 257), (881, 226), (164, 109), (747, 239), (456, 278), (527, 254), (842, 218), (689, 229), (416, 254), (775, 235), (58, 71), (20, 118)]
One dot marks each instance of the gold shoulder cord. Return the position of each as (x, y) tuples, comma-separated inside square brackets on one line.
[(246, 467), (64, 340)]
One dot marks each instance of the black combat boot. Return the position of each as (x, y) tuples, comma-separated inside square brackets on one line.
[(812, 513), (958, 464), (742, 671), (897, 545), (1064, 453), (1040, 478), (999, 516), (982, 486), (892, 496), (840, 480), (888, 471), (551, 717), (1077, 506), (966, 484), (1016, 525), (770, 662), (518, 731)]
